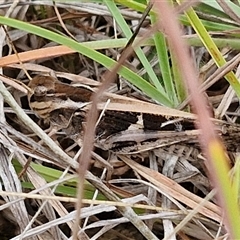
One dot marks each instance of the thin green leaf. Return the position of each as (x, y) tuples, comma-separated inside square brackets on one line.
[(164, 64), (212, 48), (127, 32)]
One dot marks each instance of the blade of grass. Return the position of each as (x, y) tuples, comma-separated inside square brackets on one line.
[(209, 25), (136, 5), (215, 5), (128, 33), (179, 83), (211, 47), (235, 177), (50, 175), (229, 193), (213, 8), (164, 64)]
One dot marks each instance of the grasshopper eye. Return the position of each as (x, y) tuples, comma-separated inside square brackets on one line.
[(40, 91)]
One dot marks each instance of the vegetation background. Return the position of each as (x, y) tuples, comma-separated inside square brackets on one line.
[(78, 42)]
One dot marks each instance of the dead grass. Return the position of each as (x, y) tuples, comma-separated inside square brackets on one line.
[(170, 184)]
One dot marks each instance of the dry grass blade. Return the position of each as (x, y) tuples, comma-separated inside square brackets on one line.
[(12, 183), (126, 211), (171, 189), (36, 54), (122, 103)]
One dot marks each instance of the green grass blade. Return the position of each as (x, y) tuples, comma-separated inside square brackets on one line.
[(235, 8), (179, 83), (209, 25), (229, 193), (164, 64), (127, 32), (212, 48)]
